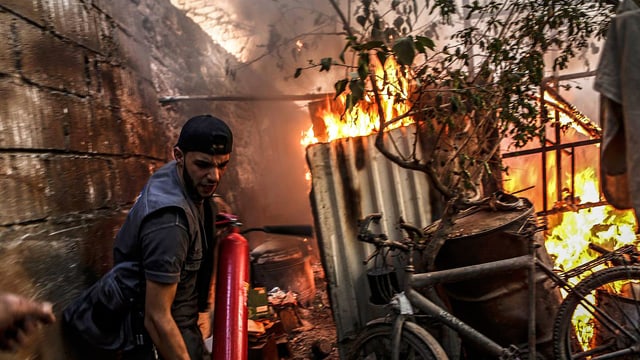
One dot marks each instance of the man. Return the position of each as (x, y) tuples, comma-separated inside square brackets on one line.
[(171, 230), (19, 317)]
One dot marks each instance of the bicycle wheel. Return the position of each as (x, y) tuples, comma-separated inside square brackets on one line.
[(600, 319), (374, 343)]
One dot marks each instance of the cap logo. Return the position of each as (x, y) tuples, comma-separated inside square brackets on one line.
[(215, 148)]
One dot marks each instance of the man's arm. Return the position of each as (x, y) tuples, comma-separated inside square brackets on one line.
[(159, 322)]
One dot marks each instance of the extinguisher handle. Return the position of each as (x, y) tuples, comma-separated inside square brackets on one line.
[(294, 230)]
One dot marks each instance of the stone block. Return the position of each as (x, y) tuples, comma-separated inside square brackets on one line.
[(78, 183), (149, 98), (47, 60), (144, 136), (124, 13), (7, 56), (133, 53), (127, 90), (60, 257), (33, 118), (30, 9), (35, 187), (23, 188), (98, 130), (131, 175), (135, 94), (74, 19), (106, 82)]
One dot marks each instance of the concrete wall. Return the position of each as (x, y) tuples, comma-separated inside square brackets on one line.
[(81, 129)]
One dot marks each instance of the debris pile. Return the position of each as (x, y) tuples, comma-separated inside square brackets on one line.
[(281, 327)]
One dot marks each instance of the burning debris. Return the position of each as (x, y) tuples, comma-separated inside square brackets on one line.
[(280, 327)]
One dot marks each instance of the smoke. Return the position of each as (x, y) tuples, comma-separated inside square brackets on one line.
[(274, 38), (270, 40)]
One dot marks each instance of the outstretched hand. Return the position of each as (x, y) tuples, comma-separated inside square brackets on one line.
[(19, 317)]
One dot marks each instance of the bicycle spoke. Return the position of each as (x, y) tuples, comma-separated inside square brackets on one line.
[(612, 332)]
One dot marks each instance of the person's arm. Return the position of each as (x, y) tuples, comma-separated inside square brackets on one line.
[(19, 316), (160, 324), (164, 248)]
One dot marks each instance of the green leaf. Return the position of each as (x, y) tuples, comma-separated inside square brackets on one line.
[(357, 90), (456, 105), (361, 20), (363, 65), (398, 22), (325, 64), (340, 86), (404, 50), (423, 42)]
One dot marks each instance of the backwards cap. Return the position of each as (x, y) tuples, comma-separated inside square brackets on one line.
[(207, 134)]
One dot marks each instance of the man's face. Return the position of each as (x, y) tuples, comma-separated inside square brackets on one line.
[(201, 172)]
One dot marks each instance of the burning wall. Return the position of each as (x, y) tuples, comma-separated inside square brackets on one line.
[(351, 179)]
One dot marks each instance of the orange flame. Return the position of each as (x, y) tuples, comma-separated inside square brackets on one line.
[(570, 232), (363, 119)]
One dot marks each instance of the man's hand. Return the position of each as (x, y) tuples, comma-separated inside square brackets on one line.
[(19, 317), (204, 323)]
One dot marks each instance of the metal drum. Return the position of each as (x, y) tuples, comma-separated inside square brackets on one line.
[(497, 304), (284, 264)]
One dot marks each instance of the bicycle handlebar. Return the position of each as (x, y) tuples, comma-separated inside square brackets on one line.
[(379, 240), (304, 230)]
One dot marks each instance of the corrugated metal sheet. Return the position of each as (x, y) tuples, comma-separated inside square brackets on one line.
[(351, 179)]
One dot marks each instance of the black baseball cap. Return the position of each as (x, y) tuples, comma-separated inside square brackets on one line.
[(207, 134)]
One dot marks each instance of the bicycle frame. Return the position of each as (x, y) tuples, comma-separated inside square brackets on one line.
[(409, 299), (415, 299), (413, 280)]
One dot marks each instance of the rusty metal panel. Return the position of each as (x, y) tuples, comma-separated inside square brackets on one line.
[(351, 179)]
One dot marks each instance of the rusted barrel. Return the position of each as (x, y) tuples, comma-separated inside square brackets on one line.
[(497, 305), (283, 264)]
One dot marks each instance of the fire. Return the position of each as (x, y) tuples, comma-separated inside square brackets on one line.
[(568, 241), (363, 119), (570, 231)]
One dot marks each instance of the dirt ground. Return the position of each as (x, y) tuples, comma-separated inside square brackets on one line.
[(317, 338)]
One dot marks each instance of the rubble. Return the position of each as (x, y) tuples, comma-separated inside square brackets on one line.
[(289, 330)]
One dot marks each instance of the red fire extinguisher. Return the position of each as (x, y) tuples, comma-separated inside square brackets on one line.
[(230, 335)]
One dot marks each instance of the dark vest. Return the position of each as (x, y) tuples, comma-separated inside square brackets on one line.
[(164, 189)]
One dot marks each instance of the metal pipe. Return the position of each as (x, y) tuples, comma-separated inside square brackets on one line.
[(565, 77), (558, 140), (532, 298), (543, 152), (462, 328), (551, 148), (469, 272), (306, 97)]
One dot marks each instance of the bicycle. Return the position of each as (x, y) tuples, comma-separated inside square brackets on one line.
[(616, 318)]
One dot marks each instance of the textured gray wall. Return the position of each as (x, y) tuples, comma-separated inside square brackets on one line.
[(81, 129)]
